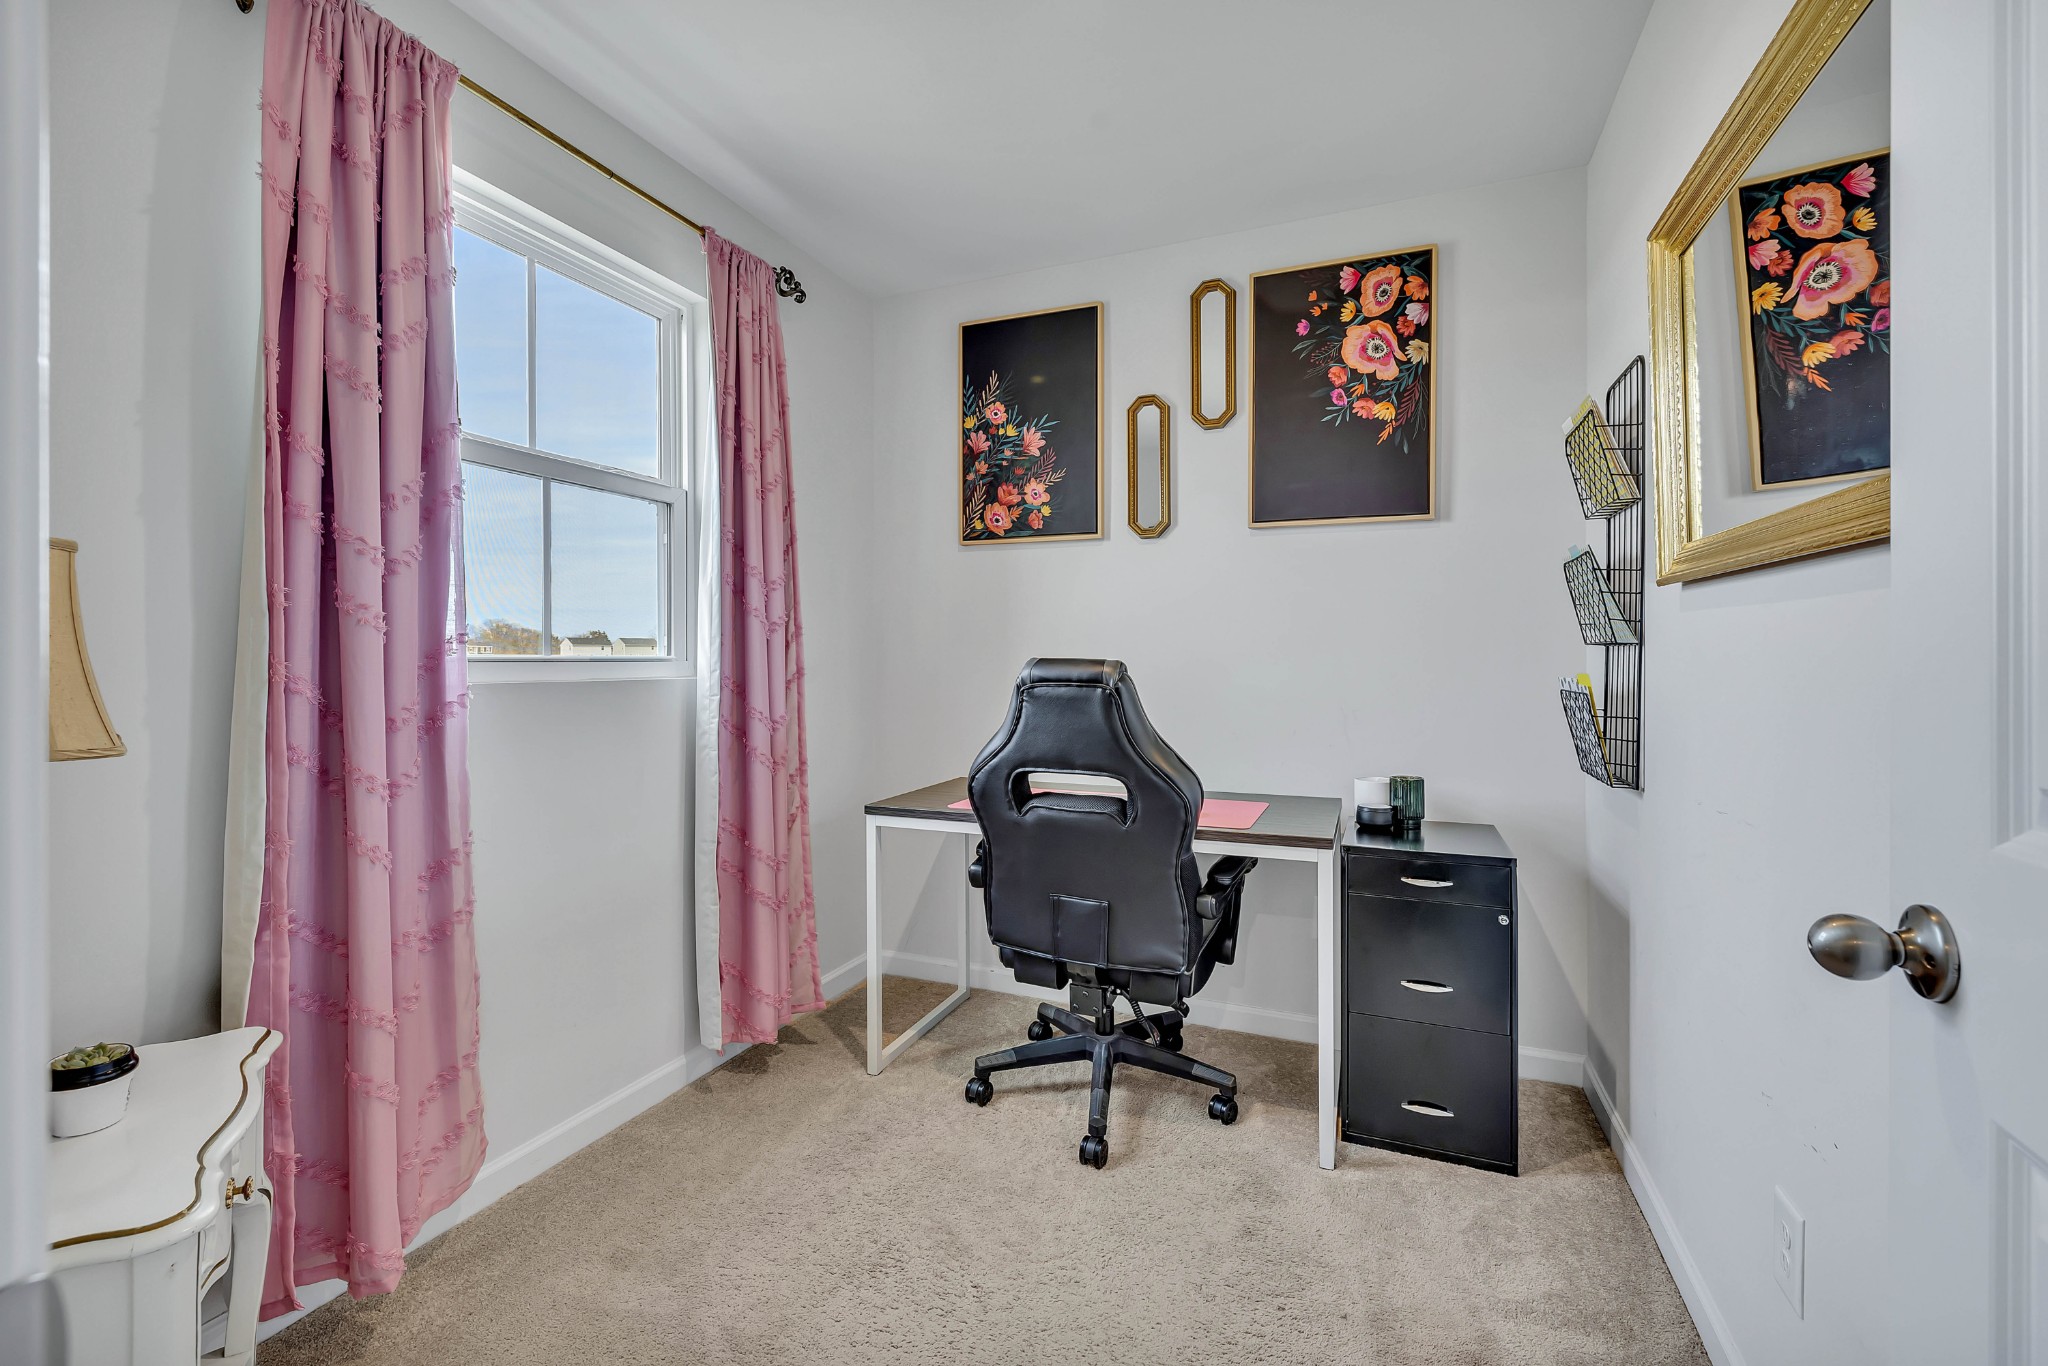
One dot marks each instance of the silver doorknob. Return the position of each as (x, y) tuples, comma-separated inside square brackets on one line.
[(1923, 947)]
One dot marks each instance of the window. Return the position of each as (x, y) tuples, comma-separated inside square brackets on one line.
[(574, 454)]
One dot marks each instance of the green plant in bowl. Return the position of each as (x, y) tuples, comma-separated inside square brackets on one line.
[(93, 1055)]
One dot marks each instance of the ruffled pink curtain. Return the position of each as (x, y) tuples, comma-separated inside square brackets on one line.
[(363, 954), (767, 925)]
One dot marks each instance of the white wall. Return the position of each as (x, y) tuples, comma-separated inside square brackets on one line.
[(580, 808), (24, 667), (154, 290), (1729, 1061), (1278, 660)]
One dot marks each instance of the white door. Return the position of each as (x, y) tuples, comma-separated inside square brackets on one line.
[(1969, 725)]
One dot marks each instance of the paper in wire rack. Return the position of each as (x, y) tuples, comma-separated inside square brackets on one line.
[(1601, 620), (1605, 484), (1584, 716)]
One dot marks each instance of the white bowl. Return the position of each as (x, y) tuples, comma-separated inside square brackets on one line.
[(89, 1108)]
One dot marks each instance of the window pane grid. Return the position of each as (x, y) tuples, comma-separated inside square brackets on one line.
[(579, 533), (483, 450), (596, 369), (617, 549), (503, 545), (493, 286), (547, 560), (530, 315)]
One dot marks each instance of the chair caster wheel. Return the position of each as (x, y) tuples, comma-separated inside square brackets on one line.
[(1094, 1152), (1038, 1031), (1223, 1109), (1170, 1040), (979, 1090)]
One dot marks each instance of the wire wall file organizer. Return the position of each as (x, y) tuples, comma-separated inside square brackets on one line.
[(1604, 450)]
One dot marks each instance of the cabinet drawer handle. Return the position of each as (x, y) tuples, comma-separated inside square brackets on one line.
[(1426, 881), (244, 1192), (1435, 988), (1428, 1107)]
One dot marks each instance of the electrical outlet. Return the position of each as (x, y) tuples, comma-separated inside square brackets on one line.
[(1788, 1252)]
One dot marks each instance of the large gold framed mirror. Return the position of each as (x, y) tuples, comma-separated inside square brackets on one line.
[(1770, 286)]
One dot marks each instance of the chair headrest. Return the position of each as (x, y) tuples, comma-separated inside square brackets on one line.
[(1100, 673)]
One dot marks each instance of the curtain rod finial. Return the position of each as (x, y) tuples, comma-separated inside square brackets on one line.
[(787, 285)]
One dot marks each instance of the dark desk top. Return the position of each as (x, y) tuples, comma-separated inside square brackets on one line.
[(1447, 839), (1294, 822)]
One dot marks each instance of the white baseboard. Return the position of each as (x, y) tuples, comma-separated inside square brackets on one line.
[(1537, 1064), (922, 966), (1548, 1064), (844, 978), (508, 1171), (1692, 1287)]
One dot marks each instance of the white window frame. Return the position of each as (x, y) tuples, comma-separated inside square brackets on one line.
[(518, 227)]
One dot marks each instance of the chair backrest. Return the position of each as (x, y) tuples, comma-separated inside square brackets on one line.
[(1081, 877)]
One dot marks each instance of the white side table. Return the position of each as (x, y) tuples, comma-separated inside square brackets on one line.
[(149, 1215)]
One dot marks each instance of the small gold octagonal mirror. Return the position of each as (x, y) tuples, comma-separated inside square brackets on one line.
[(1770, 317)]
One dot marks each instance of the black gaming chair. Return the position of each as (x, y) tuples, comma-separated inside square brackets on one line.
[(1097, 893)]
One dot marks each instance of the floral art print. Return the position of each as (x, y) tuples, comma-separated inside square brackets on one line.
[(1343, 390), (1029, 427), (1813, 255)]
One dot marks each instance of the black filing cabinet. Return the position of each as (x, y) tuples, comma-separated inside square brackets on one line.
[(1429, 994)]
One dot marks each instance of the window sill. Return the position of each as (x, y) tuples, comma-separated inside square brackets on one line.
[(569, 670)]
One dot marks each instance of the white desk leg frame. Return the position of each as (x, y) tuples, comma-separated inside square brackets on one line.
[(874, 953), (1329, 952), (879, 1056)]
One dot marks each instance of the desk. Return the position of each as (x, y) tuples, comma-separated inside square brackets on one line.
[(1297, 829)]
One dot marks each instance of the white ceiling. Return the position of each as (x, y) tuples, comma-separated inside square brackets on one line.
[(915, 143)]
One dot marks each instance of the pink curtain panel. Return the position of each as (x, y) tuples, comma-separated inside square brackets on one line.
[(767, 925), (364, 956)]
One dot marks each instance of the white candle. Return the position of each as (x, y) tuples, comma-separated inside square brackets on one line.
[(1372, 792)]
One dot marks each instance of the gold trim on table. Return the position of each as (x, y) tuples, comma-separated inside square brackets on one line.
[(198, 1175)]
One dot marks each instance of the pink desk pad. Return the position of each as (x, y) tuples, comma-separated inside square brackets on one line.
[(1218, 813)]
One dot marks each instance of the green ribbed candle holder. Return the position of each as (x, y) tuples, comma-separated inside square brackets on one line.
[(1407, 799)]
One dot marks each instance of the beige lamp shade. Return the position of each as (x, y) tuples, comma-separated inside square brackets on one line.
[(79, 728)]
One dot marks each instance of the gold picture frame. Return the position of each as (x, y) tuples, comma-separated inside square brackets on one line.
[(1859, 514), (1097, 422), (1203, 291), (1148, 531)]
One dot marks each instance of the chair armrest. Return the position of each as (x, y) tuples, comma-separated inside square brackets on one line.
[(1226, 883), (1217, 904), (977, 871)]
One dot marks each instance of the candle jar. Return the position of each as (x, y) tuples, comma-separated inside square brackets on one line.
[(1407, 798), (1372, 803)]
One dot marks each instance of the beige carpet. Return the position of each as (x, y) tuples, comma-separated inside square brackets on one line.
[(790, 1208)]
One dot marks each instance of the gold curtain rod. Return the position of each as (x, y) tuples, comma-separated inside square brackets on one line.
[(786, 283), (520, 116)]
